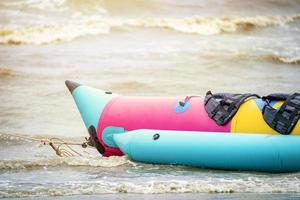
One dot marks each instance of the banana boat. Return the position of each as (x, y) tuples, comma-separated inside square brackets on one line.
[(105, 114)]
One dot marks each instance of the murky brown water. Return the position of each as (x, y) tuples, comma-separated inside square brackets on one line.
[(159, 48)]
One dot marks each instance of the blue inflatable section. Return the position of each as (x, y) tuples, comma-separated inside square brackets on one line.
[(90, 103), (250, 152)]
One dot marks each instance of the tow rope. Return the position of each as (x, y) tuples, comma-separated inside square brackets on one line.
[(61, 147)]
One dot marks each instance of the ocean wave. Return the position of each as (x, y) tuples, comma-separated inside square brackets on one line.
[(284, 59), (273, 57), (210, 26), (49, 33), (113, 161), (260, 55), (206, 185)]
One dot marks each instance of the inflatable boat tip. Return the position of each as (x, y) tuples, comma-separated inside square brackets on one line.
[(123, 141), (71, 85)]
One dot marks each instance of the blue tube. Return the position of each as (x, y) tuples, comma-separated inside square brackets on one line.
[(250, 152)]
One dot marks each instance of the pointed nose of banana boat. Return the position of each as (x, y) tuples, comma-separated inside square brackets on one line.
[(90, 102), (71, 85)]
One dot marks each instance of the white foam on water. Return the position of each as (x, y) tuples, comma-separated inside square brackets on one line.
[(49, 33), (99, 161), (208, 185)]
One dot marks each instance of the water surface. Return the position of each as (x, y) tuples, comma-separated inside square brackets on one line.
[(152, 48)]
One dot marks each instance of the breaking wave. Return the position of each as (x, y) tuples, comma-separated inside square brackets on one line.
[(112, 161), (49, 33), (260, 55), (206, 185), (272, 58), (210, 26), (288, 60), (268, 57)]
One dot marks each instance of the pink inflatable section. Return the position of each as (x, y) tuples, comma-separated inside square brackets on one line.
[(133, 113)]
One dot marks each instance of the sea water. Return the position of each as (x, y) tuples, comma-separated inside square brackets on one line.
[(134, 47)]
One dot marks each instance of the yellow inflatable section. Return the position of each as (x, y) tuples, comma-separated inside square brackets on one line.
[(249, 119)]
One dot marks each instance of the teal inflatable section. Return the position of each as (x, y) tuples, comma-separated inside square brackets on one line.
[(91, 103), (250, 152)]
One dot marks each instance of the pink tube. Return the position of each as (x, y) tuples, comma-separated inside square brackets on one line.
[(154, 113)]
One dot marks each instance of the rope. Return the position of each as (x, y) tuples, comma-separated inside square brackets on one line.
[(61, 147)]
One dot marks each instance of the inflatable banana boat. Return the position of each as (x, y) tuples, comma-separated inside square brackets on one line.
[(250, 152), (105, 114)]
